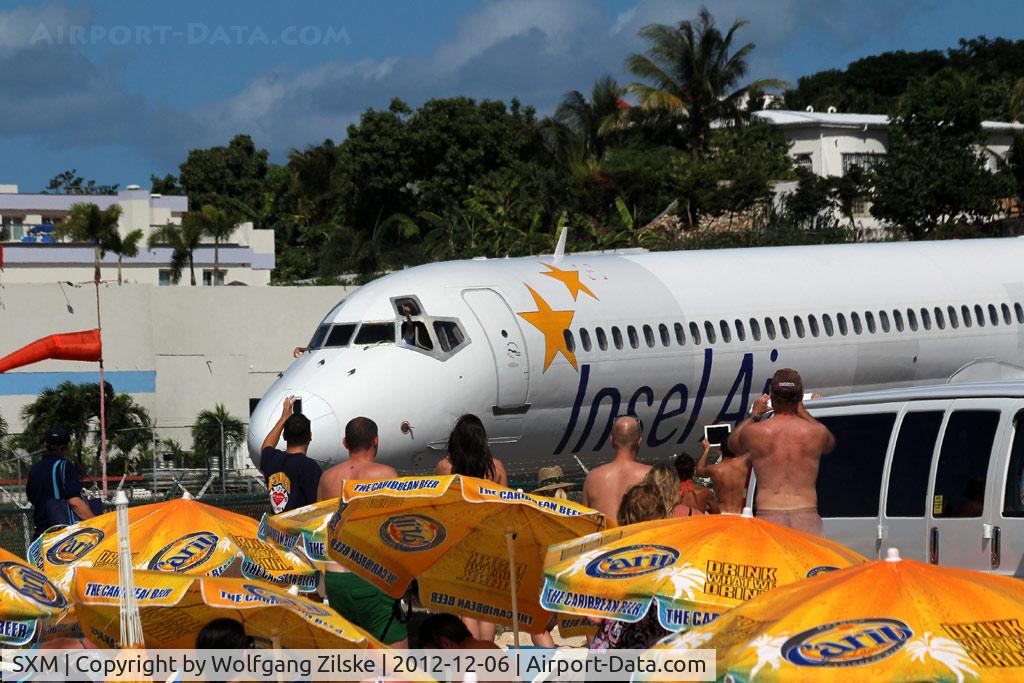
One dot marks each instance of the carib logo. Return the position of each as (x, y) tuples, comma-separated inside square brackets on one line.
[(633, 560), (847, 643), (73, 546), (186, 553), (310, 609), (412, 533), (32, 584)]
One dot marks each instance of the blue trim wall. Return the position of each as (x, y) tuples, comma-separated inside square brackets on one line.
[(31, 383)]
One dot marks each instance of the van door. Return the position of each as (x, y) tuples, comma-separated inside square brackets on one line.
[(1006, 548), (956, 513), (903, 523)]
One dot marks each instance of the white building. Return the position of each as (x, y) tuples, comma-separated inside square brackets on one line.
[(31, 254), (828, 143)]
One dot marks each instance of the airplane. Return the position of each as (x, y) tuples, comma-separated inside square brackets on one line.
[(548, 350)]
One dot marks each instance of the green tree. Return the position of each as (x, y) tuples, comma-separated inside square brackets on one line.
[(212, 175), (207, 432), (593, 121), (183, 240), (693, 74), (215, 223), (124, 246), (88, 223), (934, 181), (69, 182), (1015, 163), (167, 185)]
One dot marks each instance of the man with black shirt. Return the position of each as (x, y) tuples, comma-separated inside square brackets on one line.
[(54, 478), (292, 477)]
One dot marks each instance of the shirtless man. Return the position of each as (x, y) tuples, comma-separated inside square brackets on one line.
[(605, 485), (729, 478), (348, 594), (785, 452)]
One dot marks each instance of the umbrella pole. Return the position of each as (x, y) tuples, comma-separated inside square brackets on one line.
[(131, 626), (510, 540)]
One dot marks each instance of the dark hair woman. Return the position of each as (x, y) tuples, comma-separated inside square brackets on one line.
[(469, 453)]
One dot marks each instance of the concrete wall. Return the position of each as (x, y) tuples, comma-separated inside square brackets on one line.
[(177, 350)]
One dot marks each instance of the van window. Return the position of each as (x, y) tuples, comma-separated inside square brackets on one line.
[(784, 326), (1013, 498), (769, 328), (680, 334), (695, 333), (740, 334), (570, 343), (850, 477), (940, 320), (709, 330), (602, 339), (617, 337), (726, 334), (963, 463), (585, 339), (634, 340), (812, 323), (911, 464), (869, 318), (826, 320), (965, 313), (755, 329), (663, 332), (798, 323), (883, 317), (649, 336)]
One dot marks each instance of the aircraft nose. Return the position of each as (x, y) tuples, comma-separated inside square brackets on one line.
[(326, 445)]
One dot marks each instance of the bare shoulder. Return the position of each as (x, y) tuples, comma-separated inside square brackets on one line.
[(444, 466), (379, 471)]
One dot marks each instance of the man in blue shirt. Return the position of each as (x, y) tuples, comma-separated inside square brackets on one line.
[(55, 478), (292, 477)]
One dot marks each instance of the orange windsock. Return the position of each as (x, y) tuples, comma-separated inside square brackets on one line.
[(68, 346)]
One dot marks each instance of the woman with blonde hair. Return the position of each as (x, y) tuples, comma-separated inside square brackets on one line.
[(666, 480)]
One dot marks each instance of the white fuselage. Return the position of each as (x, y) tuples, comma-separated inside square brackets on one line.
[(845, 316)]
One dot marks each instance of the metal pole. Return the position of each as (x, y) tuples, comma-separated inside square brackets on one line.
[(223, 485), (103, 400)]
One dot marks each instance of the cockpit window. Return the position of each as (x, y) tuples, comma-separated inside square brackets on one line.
[(376, 333), (407, 306), (318, 337), (340, 335), (414, 333), (448, 334)]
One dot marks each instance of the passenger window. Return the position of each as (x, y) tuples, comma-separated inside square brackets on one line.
[(812, 323), (695, 333), (798, 323), (912, 319), (769, 328), (926, 319), (979, 315), (897, 318), (740, 334), (709, 331), (414, 333), (755, 329), (1019, 310), (318, 337), (841, 319), (963, 464), (1013, 496), (966, 314), (993, 317), (602, 339), (883, 317), (340, 335), (617, 337), (855, 319), (663, 331), (784, 327), (376, 333), (911, 464), (850, 477), (680, 334), (953, 322), (826, 320), (726, 334), (649, 336), (585, 339), (869, 318), (1006, 314), (940, 320), (570, 343), (634, 340)]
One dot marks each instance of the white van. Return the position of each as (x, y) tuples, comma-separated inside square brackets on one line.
[(936, 471)]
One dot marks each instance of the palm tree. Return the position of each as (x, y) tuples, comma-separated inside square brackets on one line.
[(88, 223), (693, 74), (216, 432), (183, 239), (125, 246), (594, 120), (212, 222)]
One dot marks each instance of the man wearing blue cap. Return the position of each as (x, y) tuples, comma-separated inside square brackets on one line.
[(53, 487)]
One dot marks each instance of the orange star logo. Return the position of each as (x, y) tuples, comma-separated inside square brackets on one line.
[(552, 324), (569, 278)]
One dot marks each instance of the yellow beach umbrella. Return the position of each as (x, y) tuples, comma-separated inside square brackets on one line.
[(182, 536), (26, 597), (303, 528), (462, 538), (175, 607), (888, 620), (695, 568)]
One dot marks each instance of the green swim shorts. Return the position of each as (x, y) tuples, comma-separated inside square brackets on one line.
[(364, 605)]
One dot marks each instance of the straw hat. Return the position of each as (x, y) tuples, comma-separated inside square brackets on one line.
[(551, 479)]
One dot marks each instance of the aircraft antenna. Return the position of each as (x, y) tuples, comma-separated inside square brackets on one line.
[(560, 247)]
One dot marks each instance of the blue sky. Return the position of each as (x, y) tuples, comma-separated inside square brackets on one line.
[(121, 90)]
